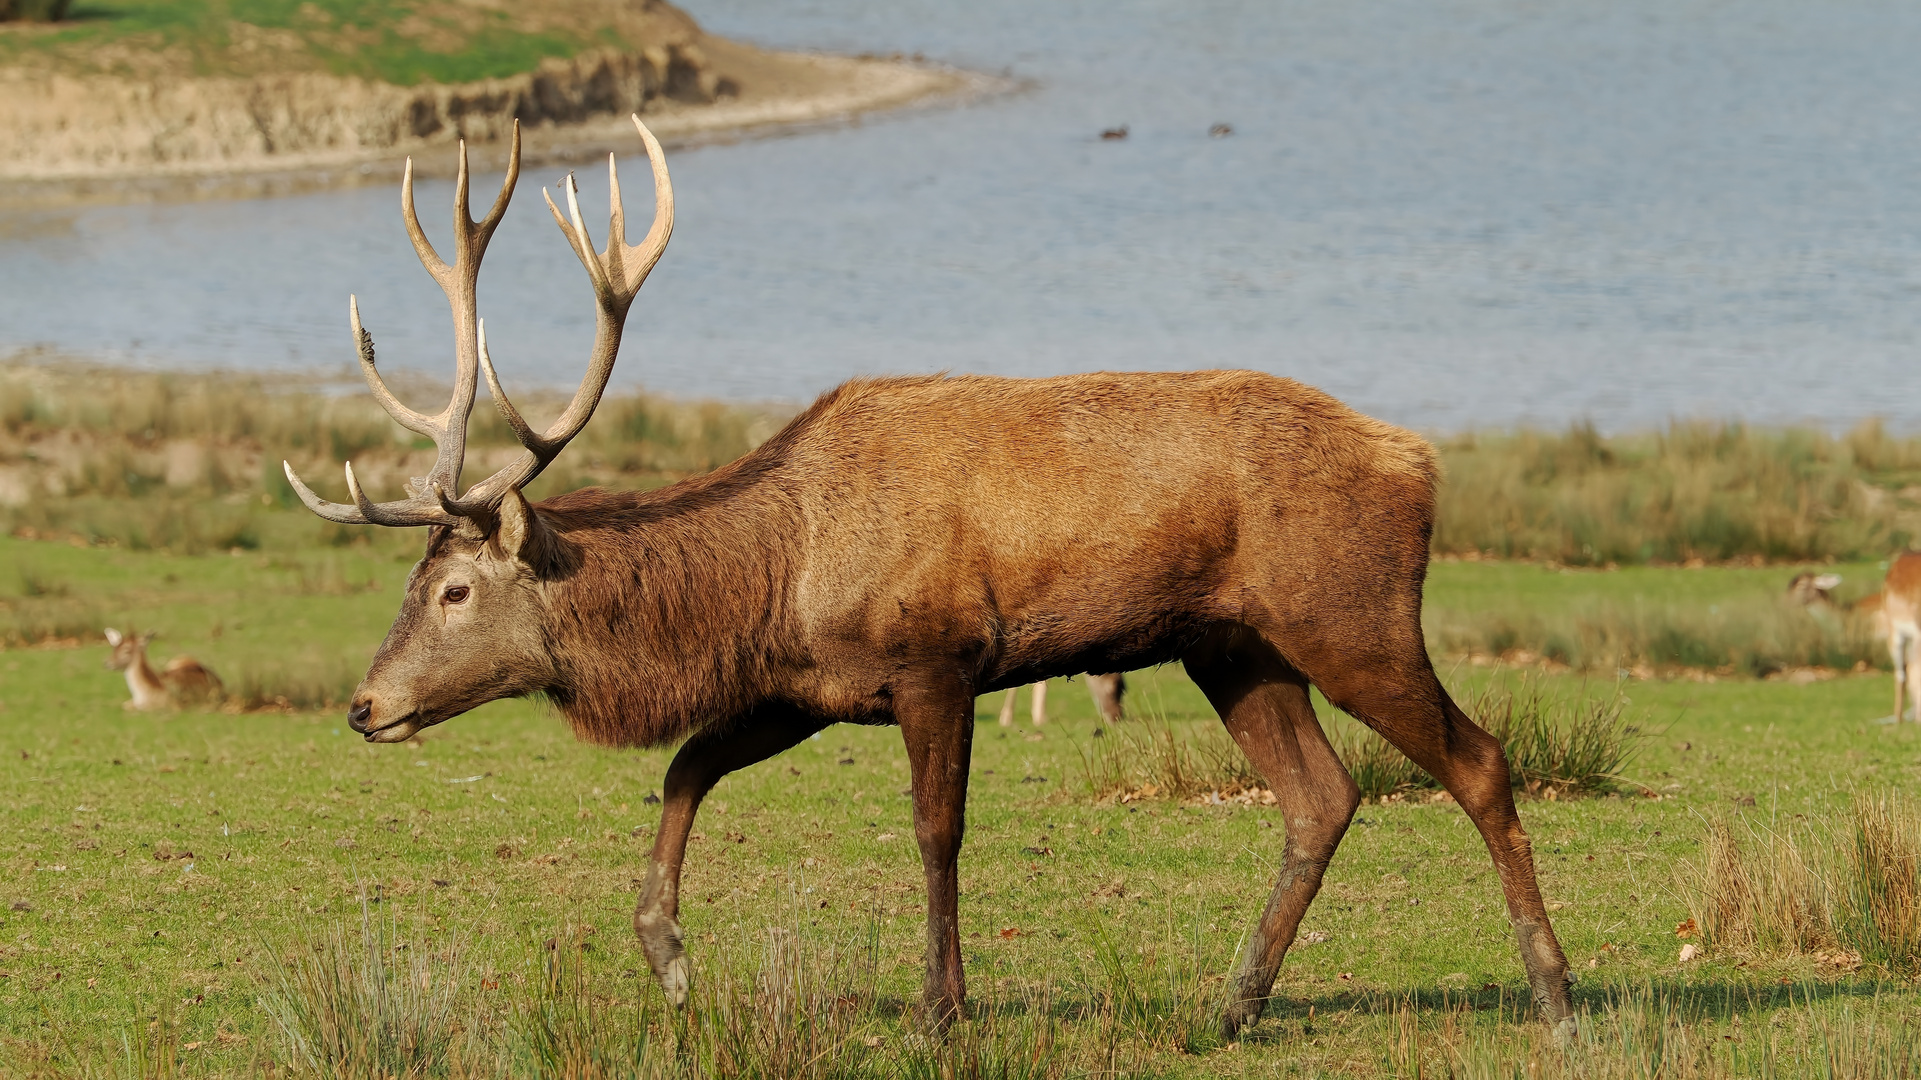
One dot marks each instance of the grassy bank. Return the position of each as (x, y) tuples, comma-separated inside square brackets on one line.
[(1712, 492), (404, 43)]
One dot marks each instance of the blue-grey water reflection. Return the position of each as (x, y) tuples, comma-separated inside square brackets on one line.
[(1452, 214)]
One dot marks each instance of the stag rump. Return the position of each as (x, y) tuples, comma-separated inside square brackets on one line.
[(906, 545)]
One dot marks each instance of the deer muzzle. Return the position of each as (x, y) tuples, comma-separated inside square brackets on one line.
[(363, 717)]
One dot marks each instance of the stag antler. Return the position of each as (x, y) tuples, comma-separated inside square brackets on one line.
[(616, 274)]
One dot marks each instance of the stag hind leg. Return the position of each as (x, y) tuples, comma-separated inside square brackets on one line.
[(706, 757), (1395, 692), (1263, 701)]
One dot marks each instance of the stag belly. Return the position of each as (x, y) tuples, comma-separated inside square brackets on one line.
[(1009, 632)]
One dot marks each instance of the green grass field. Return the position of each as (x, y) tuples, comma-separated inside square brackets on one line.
[(157, 865)]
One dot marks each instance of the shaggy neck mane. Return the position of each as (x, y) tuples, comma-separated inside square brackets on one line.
[(670, 613)]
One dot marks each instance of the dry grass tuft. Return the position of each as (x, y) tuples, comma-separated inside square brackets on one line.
[(1880, 903), (1557, 746), (1150, 760), (1843, 893), (1019, 1040), (358, 1005), (803, 1015), (1760, 889), (1168, 1000), (563, 1031)]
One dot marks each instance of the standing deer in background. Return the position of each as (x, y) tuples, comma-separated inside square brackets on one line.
[(1901, 611), (905, 545), (1872, 611), (1106, 690), (184, 681)]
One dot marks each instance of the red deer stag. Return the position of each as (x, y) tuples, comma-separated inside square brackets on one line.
[(184, 681), (905, 545)]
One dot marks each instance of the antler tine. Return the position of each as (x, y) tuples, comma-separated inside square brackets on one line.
[(616, 280), (576, 231), (423, 247), (430, 502), (332, 511), (654, 244), (506, 188), (463, 224), (616, 213), (522, 430), (364, 343), (470, 247)]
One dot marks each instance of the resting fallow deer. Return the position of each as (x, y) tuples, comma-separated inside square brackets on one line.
[(184, 681), (907, 544), (1106, 690)]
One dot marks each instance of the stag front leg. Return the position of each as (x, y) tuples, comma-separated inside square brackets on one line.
[(711, 754), (1264, 703), (937, 723)]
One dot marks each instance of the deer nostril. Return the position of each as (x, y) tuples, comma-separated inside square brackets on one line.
[(358, 715)]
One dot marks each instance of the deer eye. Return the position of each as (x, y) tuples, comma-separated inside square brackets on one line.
[(456, 595)]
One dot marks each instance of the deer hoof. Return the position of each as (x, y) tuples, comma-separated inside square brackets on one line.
[(660, 939), (1241, 1014), (674, 981)]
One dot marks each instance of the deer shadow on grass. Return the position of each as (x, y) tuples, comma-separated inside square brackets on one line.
[(1694, 1001)]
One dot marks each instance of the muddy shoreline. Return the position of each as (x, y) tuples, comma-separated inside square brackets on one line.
[(736, 91)]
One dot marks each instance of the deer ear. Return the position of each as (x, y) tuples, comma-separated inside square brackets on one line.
[(522, 536), (113, 637)]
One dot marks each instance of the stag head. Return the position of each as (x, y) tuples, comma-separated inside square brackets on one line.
[(469, 628)]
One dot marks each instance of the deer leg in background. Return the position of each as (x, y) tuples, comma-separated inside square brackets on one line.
[(1402, 698), (936, 715), (1912, 662), (706, 757), (1106, 691), (1038, 708), (1007, 707), (1899, 652), (1264, 704)]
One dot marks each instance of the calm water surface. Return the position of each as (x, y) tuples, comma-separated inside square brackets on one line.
[(1452, 214)]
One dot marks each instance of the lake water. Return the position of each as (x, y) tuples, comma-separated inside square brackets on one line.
[(1451, 213)]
